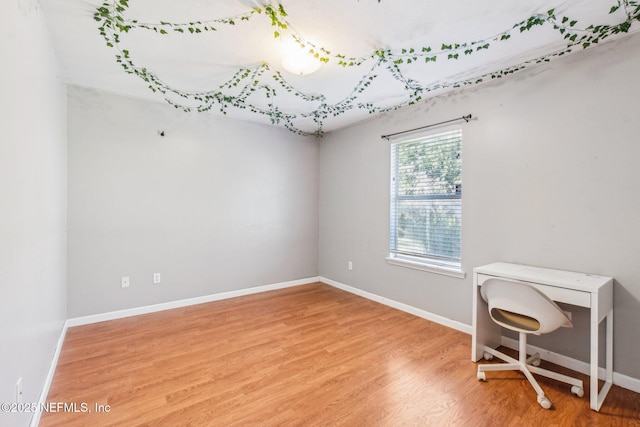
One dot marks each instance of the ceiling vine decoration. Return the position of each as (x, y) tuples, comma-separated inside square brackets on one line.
[(261, 79)]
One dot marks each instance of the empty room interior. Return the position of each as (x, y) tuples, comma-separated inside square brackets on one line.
[(306, 212)]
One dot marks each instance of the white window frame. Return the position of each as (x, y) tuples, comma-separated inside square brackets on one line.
[(430, 264)]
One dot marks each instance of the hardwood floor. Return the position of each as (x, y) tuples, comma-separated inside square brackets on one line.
[(304, 356)]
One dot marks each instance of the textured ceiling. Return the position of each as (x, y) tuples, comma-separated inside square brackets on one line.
[(397, 52)]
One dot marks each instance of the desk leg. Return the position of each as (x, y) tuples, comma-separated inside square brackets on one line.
[(485, 332), (593, 379), (597, 398)]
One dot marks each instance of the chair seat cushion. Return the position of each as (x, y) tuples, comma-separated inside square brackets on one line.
[(515, 321)]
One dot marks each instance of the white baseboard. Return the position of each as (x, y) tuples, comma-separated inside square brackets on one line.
[(35, 420), (119, 314), (400, 306), (620, 380)]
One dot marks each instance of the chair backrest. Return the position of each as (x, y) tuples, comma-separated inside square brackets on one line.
[(521, 307)]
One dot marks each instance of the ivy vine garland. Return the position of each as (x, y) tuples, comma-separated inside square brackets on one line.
[(113, 23)]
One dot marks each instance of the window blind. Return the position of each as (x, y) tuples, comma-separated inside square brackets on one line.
[(426, 198)]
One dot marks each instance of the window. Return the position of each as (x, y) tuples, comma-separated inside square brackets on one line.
[(426, 202)]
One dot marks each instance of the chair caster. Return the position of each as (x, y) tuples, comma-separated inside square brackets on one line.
[(487, 356), (482, 376), (578, 391), (535, 362), (544, 402)]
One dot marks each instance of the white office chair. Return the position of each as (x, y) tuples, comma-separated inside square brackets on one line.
[(523, 308)]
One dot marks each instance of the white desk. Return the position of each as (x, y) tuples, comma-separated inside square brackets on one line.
[(584, 290)]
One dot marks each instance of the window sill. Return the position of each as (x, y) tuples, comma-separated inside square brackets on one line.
[(438, 269)]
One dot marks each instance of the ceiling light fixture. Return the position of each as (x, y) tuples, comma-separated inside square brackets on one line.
[(297, 61), (301, 64)]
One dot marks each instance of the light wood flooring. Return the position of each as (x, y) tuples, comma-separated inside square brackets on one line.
[(310, 355)]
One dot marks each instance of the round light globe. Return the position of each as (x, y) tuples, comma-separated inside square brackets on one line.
[(301, 64)]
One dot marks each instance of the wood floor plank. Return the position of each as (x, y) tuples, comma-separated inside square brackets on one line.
[(302, 356)]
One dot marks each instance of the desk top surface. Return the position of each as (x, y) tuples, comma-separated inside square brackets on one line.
[(546, 276)]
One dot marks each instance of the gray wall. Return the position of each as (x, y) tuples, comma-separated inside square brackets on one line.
[(32, 204), (215, 205), (549, 179)]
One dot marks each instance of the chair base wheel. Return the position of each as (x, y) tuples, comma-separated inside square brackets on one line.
[(487, 356), (578, 391), (482, 376), (544, 402)]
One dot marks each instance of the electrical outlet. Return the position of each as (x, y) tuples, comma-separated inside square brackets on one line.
[(125, 281), (350, 265), (19, 390), (156, 278)]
